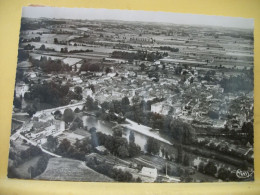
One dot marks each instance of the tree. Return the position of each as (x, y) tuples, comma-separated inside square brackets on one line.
[(123, 151), (181, 131), (210, 168), (52, 142), (64, 147), (223, 174), (42, 47), (84, 145), (201, 167), (17, 103), (108, 70), (138, 180), (152, 146), (105, 105), (55, 41), (136, 99), (118, 131), (76, 124), (57, 114), (68, 115), (78, 90), (142, 67), (91, 104), (134, 149), (19, 75), (132, 137), (31, 109), (77, 110), (125, 101), (179, 154), (186, 160), (248, 128)]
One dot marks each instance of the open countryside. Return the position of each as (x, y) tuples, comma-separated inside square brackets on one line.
[(123, 101)]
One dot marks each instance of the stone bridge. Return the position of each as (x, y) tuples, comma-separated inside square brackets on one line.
[(73, 107)]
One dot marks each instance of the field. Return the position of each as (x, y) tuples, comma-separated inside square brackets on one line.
[(64, 169), (49, 38), (38, 57), (70, 47)]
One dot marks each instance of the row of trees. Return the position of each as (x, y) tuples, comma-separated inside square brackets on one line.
[(33, 39), (65, 50), (48, 65), (108, 170), (86, 66), (223, 173), (44, 48), (139, 55), (172, 49)]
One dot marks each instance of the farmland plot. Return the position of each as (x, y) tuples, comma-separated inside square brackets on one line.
[(64, 169)]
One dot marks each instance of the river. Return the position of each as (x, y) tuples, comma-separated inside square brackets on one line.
[(106, 128)]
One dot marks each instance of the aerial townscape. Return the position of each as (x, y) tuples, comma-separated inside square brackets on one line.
[(125, 101)]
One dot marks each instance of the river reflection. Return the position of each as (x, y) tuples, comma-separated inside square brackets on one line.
[(106, 128)]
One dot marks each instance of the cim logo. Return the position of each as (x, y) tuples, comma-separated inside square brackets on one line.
[(244, 174)]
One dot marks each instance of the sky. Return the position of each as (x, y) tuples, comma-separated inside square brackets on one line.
[(134, 15)]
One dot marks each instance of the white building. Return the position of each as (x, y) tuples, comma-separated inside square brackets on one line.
[(101, 149), (77, 80), (149, 172)]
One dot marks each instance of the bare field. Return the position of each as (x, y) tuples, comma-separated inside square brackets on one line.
[(64, 169)]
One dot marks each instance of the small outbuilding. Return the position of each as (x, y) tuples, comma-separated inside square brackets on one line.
[(149, 172), (101, 150)]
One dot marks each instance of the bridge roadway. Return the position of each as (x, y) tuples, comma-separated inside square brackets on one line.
[(62, 108)]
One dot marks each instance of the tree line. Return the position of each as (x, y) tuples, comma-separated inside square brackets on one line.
[(139, 55), (51, 93), (48, 65)]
